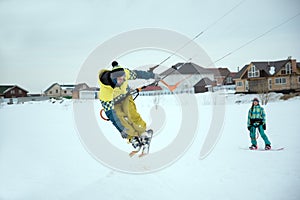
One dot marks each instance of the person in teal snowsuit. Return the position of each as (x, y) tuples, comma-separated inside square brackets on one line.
[(257, 120)]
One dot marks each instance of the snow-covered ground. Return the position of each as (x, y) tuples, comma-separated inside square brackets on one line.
[(42, 156)]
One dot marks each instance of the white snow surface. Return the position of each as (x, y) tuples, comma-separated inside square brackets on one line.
[(42, 157)]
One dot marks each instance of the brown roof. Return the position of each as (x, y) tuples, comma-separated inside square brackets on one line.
[(264, 66), (241, 72), (233, 74), (50, 87), (205, 81), (3, 88), (186, 68), (80, 86), (152, 88), (71, 86), (219, 71), (6, 88)]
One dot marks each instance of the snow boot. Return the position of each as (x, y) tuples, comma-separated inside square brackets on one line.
[(267, 147), (253, 147), (146, 140), (136, 143)]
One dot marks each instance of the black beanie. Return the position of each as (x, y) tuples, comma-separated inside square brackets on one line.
[(114, 63), (255, 99)]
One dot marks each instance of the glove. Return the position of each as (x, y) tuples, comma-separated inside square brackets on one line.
[(264, 126), (249, 127), (124, 134), (157, 77)]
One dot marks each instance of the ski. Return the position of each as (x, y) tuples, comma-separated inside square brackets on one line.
[(132, 153), (145, 151)]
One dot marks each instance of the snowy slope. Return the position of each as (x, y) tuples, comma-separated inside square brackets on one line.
[(42, 157)]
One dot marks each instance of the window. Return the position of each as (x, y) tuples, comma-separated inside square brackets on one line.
[(56, 91), (239, 83), (280, 81), (298, 79), (20, 91), (253, 72), (270, 84), (12, 92), (229, 80), (287, 69)]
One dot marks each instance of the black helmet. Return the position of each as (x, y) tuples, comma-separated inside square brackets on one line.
[(114, 63)]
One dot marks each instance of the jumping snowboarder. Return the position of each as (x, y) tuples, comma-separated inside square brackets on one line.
[(119, 105)]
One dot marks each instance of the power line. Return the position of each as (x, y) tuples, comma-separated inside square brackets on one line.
[(198, 35), (256, 38)]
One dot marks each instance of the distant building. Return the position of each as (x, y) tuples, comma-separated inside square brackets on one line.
[(79, 91), (204, 85), (79, 87), (222, 76), (85, 92), (151, 90), (12, 91), (230, 79), (89, 93), (269, 76), (184, 76), (57, 90)]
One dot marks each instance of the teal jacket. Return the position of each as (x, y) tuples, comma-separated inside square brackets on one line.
[(256, 115)]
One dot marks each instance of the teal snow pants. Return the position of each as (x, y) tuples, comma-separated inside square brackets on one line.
[(262, 134)]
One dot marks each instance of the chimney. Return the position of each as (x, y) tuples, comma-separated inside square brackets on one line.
[(294, 65)]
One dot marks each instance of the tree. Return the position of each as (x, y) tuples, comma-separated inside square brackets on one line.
[(263, 91)]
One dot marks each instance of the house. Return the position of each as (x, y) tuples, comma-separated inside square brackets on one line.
[(222, 76), (56, 90), (89, 93), (79, 87), (204, 85), (183, 76), (78, 91), (230, 79), (151, 90), (269, 76), (12, 91)]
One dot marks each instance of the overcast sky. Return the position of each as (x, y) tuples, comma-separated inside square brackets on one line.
[(43, 42)]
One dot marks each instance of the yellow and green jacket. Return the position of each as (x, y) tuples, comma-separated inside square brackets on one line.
[(109, 94)]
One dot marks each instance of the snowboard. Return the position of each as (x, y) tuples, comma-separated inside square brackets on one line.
[(272, 149)]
